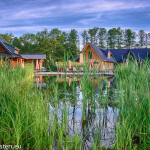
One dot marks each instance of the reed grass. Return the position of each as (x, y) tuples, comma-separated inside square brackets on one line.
[(37, 118), (133, 84)]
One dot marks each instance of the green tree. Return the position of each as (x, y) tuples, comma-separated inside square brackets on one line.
[(72, 42), (55, 33), (28, 42), (8, 37), (17, 43), (147, 40), (93, 35), (84, 35), (112, 38), (142, 38), (102, 34), (119, 36), (129, 38)]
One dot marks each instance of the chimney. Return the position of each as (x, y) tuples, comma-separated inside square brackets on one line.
[(109, 55)]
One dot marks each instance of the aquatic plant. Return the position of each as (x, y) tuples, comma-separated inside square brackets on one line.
[(37, 118)]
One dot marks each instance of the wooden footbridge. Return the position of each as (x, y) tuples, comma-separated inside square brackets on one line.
[(72, 73)]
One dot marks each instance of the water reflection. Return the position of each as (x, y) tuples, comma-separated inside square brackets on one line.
[(39, 82), (99, 120)]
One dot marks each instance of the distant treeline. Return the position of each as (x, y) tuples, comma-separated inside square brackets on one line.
[(56, 42)]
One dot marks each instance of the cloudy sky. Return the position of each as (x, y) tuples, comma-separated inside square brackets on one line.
[(30, 16)]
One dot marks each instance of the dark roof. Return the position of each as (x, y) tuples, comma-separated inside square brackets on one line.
[(140, 53), (9, 48), (11, 52), (101, 52), (34, 56), (118, 54), (6, 54)]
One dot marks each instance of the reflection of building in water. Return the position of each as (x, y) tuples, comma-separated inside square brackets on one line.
[(109, 84), (95, 82), (69, 81), (39, 81)]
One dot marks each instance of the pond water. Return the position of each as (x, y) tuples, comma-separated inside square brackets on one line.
[(100, 117)]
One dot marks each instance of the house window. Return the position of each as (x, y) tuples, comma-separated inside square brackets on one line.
[(90, 55)]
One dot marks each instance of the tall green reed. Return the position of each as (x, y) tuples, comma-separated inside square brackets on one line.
[(133, 84)]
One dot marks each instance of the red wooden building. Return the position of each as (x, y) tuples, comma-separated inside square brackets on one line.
[(11, 53)]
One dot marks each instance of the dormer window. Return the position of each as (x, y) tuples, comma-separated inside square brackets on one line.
[(90, 55), (109, 55)]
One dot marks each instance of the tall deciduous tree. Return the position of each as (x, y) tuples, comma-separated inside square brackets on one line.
[(93, 35), (119, 36), (71, 46), (142, 38), (16, 42), (8, 37), (112, 38), (28, 42), (84, 35), (129, 38), (55, 33), (147, 40), (102, 34)]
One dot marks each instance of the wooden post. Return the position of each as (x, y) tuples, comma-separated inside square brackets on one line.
[(37, 65), (17, 63), (69, 65), (41, 62), (23, 64), (1, 62)]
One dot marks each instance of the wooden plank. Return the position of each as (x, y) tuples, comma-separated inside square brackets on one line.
[(69, 73)]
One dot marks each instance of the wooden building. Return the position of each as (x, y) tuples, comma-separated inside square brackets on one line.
[(36, 59), (100, 58), (11, 53), (105, 59)]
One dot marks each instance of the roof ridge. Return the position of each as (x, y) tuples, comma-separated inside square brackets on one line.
[(101, 52), (32, 54)]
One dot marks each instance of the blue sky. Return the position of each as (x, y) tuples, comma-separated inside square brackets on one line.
[(30, 16)]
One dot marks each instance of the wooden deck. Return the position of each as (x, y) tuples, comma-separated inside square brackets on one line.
[(72, 73)]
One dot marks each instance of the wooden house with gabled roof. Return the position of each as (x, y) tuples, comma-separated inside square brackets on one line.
[(101, 58), (11, 53), (105, 59)]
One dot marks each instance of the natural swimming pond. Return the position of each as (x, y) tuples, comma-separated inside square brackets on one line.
[(94, 119)]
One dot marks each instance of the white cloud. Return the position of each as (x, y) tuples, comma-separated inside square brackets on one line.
[(51, 11), (90, 20), (32, 29), (86, 13)]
